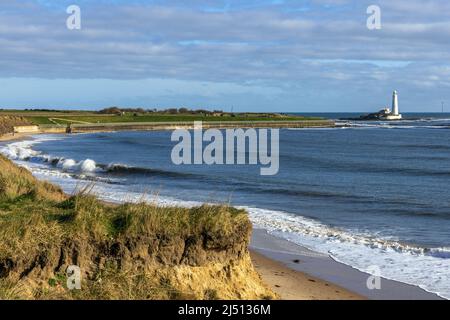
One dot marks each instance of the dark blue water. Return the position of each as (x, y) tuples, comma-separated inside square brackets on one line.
[(392, 181), (388, 181), (422, 117)]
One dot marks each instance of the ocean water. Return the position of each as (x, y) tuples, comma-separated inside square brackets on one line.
[(368, 194)]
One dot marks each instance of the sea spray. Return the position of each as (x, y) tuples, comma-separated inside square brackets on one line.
[(68, 164), (87, 165)]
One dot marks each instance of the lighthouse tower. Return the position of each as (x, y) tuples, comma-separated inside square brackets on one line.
[(394, 115), (395, 104)]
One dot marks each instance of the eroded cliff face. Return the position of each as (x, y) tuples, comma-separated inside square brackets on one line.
[(131, 251), (196, 267), (8, 122), (109, 275)]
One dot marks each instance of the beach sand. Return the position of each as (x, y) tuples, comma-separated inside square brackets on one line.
[(294, 285), (16, 136), (289, 269)]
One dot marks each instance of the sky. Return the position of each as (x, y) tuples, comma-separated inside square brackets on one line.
[(249, 55)]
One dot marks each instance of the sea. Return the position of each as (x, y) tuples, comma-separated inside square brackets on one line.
[(366, 193)]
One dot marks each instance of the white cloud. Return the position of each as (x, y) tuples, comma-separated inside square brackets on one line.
[(326, 44)]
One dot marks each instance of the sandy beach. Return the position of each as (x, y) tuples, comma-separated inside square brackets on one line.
[(10, 136), (294, 285), (295, 272)]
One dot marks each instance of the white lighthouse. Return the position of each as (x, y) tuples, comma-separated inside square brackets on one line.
[(394, 115), (395, 104)]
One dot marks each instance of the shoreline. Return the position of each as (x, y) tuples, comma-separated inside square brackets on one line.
[(308, 263), (16, 136), (157, 126), (316, 276), (290, 284), (30, 130)]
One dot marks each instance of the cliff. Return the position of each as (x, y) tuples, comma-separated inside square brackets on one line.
[(8, 122), (129, 251)]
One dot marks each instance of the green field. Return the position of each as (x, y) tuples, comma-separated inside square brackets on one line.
[(86, 117)]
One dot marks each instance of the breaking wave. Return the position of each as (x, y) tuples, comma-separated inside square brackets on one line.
[(424, 123), (398, 261), (117, 168), (23, 151)]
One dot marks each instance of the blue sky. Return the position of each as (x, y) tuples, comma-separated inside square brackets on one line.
[(252, 55)]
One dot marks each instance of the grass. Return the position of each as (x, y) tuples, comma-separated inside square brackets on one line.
[(129, 251), (39, 120), (63, 118), (26, 202)]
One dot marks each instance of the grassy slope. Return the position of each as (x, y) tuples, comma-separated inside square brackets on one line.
[(154, 118), (130, 251)]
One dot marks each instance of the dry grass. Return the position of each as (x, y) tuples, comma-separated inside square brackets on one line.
[(16, 182)]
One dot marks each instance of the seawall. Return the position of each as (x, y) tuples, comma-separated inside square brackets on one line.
[(151, 126)]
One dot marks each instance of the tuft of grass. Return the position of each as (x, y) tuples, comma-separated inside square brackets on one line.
[(10, 290), (17, 183)]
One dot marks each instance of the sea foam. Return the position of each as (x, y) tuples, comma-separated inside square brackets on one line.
[(23, 151)]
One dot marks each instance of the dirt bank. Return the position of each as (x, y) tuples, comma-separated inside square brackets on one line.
[(7, 124)]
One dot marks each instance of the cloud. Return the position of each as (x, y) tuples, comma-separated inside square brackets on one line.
[(278, 44)]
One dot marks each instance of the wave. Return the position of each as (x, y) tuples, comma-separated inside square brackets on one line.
[(117, 168), (425, 146), (366, 167), (23, 151), (48, 173), (286, 222), (312, 194), (403, 124), (426, 267), (411, 123)]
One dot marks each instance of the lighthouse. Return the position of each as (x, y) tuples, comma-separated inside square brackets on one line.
[(395, 103), (394, 114), (386, 113)]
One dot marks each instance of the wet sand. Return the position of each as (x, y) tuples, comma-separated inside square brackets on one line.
[(291, 271), (293, 285), (16, 136)]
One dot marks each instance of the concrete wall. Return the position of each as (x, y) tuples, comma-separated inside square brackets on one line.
[(206, 125), (55, 129), (26, 129), (149, 126)]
